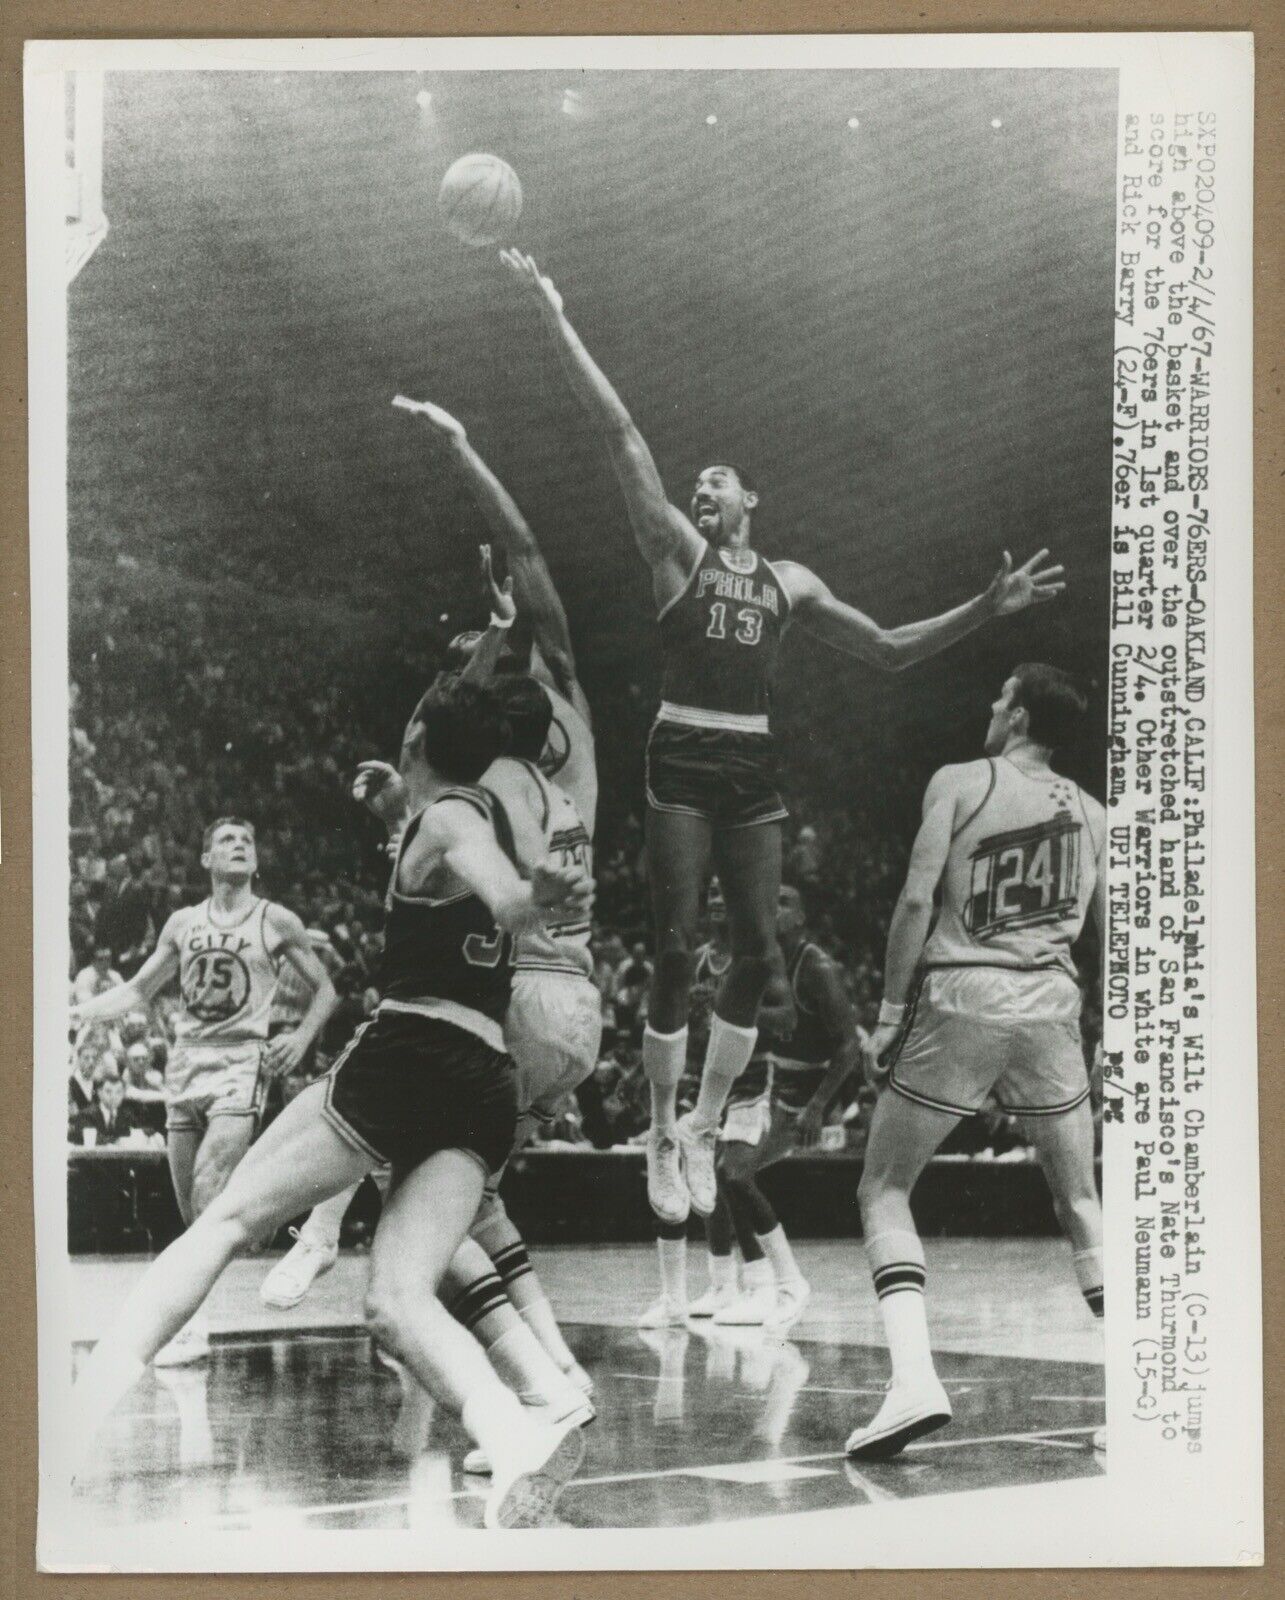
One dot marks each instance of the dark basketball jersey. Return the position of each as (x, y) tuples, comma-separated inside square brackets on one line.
[(448, 950), (799, 1062), (719, 639)]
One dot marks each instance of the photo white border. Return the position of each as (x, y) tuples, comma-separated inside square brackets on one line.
[(1144, 1511)]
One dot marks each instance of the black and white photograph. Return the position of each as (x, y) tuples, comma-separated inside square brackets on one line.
[(630, 894)]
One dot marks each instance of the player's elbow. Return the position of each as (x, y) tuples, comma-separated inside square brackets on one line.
[(916, 898), (888, 652)]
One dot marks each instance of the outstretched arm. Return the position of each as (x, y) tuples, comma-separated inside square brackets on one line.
[(456, 837), (139, 990), (668, 542), (836, 623), (533, 586)]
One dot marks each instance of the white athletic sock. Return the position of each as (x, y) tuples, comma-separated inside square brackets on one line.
[(897, 1265), (722, 1271), (673, 1270), (726, 1056), (523, 1363), (776, 1247), (1088, 1274), (325, 1220), (495, 1420), (538, 1316), (664, 1058)]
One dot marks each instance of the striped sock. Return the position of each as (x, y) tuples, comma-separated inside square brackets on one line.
[(897, 1267), (1088, 1274)]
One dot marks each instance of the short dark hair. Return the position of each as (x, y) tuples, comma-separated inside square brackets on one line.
[(207, 838), (528, 711), (742, 476), (1053, 701), (459, 652), (462, 728)]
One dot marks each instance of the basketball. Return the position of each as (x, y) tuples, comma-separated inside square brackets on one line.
[(480, 199)]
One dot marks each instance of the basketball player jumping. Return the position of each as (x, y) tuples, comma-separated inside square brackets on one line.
[(424, 1086), (555, 1020), (227, 953), (711, 787), (990, 1004)]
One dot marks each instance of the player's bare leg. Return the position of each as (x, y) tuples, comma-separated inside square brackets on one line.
[(720, 1242), (748, 863), (785, 1291), (494, 1231), (425, 1220), (903, 1138), (757, 1300), (181, 1145), (1064, 1143), (299, 1160), (678, 856)]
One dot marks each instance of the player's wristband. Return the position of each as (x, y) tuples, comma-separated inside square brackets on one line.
[(890, 1015), (503, 623)]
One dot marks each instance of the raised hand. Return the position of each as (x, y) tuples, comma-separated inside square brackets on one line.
[(382, 789), (1014, 590), (533, 281), (561, 889), (441, 421), (503, 606)]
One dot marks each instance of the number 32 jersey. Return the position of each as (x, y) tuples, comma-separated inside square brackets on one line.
[(227, 976), (1019, 876)]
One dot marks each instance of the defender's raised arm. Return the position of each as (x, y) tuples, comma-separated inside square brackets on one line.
[(668, 542), (836, 623)]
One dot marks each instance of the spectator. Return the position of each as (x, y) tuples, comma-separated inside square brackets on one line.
[(108, 1120), (144, 1088), (90, 1055), (96, 977)]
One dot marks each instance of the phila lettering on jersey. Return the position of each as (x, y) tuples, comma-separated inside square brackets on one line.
[(719, 640), (227, 976), (1019, 876)]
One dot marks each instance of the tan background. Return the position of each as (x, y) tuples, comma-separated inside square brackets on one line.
[(74, 19)]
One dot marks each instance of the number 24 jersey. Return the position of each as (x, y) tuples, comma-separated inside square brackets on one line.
[(1019, 876)]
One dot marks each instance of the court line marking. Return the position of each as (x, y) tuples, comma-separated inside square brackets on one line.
[(255, 1519)]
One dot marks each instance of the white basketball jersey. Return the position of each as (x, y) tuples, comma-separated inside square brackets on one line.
[(227, 977), (568, 756), (1019, 876)]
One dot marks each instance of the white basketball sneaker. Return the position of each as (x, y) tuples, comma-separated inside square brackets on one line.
[(752, 1308), (713, 1300), (666, 1192), (909, 1410), (296, 1272), (191, 1343), (663, 1313), (478, 1464), (528, 1484), (696, 1147)]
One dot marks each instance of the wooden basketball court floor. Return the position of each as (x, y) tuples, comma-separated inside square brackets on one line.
[(292, 1422)]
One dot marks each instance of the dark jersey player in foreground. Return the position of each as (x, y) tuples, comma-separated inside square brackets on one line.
[(425, 1087), (712, 798)]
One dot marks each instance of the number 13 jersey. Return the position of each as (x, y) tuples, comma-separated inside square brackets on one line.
[(1019, 876), (719, 638)]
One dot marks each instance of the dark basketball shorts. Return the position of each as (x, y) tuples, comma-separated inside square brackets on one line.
[(410, 1085), (728, 777)]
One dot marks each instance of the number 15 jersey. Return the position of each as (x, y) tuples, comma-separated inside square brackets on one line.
[(1019, 876), (226, 976)]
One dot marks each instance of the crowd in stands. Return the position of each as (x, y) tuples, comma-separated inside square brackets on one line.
[(177, 721)]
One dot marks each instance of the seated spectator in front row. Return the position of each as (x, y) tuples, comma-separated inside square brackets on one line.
[(144, 1088), (109, 1119), (91, 1053)]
